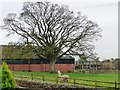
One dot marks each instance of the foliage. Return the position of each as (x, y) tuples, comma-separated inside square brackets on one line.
[(8, 81), (110, 64), (77, 67), (54, 30)]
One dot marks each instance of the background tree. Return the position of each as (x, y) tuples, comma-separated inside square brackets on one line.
[(108, 64), (117, 63), (53, 30)]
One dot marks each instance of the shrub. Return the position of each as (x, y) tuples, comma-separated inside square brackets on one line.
[(82, 70), (8, 80), (69, 71), (77, 67)]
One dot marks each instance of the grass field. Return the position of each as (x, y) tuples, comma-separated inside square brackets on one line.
[(101, 77), (52, 76)]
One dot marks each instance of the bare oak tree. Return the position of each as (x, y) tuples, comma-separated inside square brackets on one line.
[(53, 30)]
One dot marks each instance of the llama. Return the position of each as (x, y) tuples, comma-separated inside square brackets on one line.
[(63, 78)]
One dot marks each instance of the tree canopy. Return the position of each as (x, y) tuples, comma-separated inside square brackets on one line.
[(54, 30)]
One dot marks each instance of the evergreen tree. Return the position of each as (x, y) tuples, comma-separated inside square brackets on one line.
[(8, 80)]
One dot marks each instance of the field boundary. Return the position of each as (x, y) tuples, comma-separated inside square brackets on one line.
[(72, 81)]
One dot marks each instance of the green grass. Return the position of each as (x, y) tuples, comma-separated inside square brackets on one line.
[(101, 77), (38, 76)]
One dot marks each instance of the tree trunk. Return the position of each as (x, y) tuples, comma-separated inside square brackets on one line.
[(52, 66)]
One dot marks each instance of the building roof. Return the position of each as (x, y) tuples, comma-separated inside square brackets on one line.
[(67, 57), (16, 52)]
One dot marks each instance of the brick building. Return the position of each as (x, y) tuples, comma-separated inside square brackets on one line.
[(64, 64)]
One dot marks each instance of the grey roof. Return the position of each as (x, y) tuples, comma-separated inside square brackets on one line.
[(67, 57)]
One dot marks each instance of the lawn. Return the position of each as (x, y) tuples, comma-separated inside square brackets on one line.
[(101, 77), (38, 76)]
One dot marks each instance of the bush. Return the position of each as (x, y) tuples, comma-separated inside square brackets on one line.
[(82, 70), (77, 67), (8, 80)]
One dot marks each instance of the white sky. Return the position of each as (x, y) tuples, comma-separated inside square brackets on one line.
[(103, 12)]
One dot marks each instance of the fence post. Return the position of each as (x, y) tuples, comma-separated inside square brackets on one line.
[(115, 85), (95, 83), (13, 73), (74, 81), (57, 80), (43, 78), (22, 77), (32, 76)]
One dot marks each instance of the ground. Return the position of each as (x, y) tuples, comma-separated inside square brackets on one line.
[(80, 77)]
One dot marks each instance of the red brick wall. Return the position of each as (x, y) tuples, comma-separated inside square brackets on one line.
[(41, 67), (18, 67), (67, 67), (57, 67), (35, 67)]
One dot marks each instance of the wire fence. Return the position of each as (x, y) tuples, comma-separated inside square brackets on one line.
[(71, 81)]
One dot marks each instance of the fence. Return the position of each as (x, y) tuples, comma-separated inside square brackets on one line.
[(72, 81)]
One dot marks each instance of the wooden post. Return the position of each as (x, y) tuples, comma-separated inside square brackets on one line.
[(13, 73), (31, 76), (57, 80), (115, 85), (74, 81), (43, 78), (95, 83)]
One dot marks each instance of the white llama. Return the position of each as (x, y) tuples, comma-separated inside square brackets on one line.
[(63, 78)]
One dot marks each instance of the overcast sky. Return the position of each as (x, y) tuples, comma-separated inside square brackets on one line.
[(103, 12)]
